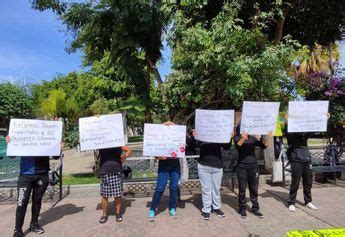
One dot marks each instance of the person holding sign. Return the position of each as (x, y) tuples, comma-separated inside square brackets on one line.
[(210, 171), (168, 169), (111, 160), (301, 166), (247, 170), (33, 178)]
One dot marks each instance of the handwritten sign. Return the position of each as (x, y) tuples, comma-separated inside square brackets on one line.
[(163, 140), (214, 125), (34, 138), (308, 116), (100, 132), (259, 117)]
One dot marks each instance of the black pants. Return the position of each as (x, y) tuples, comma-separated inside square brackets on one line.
[(301, 170), (38, 184), (250, 176)]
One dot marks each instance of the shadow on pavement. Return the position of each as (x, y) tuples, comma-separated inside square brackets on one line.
[(164, 203), (111, 212), (227, 199), (58, 212), (282, 197), (230, 199)]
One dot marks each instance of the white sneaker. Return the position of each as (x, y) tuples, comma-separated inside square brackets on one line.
[(292, 208), (311, 206)]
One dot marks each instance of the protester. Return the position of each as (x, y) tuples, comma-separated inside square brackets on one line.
[(168, 169), (210, 172), (111, 160), (248, 170), (33, 177), (301, 166), (190, 143)]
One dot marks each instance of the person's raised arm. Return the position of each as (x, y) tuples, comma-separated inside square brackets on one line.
[(161, 157), (244, 137), (128, 152), (268, 137)]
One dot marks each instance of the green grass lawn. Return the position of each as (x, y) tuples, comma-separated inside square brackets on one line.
[(90, 178), (136, 139), (73, 179)]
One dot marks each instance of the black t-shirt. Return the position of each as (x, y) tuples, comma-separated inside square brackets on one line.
[(110, 160), (169, 165), (211, 153), (246, 152), (298, 146)]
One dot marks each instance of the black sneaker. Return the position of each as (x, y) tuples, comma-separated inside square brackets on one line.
[(18, 233), (103, 219), (258, 214), (219, 213), (205, 216), (119, 217), (243, 214), (36, 228)]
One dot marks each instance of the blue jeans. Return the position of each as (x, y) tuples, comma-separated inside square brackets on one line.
[(166, 171)]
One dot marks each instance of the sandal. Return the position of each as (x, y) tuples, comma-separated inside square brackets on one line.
[(103, 219), (118, 217)]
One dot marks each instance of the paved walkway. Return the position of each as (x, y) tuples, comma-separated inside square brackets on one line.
[(76, 162), (78, 213)]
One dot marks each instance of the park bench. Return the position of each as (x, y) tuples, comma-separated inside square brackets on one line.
[(320, 169), (9, 171)]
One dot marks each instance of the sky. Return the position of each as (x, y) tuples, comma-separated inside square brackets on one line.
[(32, 45)]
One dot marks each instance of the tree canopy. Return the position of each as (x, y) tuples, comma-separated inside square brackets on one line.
[(14, 102), (223, 52)]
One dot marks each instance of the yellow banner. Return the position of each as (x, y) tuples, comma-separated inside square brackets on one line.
[(317, 233)]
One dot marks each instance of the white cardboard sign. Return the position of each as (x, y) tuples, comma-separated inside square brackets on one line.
[(214, 125), (163, 140), (259, 117), (99, 132), (307, 116), (34, 138)]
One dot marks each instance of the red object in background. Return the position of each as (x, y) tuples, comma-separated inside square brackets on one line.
[(173, 154), (182, 149)]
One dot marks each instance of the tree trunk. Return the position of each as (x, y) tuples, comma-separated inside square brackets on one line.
[(158, 77), (279, 31), (179, 114), (204, 106), (148, 114), (280, 23)]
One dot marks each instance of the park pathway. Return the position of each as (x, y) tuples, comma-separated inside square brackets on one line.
[(78, 213)]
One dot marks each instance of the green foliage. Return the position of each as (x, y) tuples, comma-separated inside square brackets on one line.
[(100, 106), (71, 134), (226, 64), (308, 21), (54, 105), (14, 102)]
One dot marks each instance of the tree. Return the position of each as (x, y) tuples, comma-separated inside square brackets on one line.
[(223, 64), (130, 33), (100, 106), (14, 102)]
